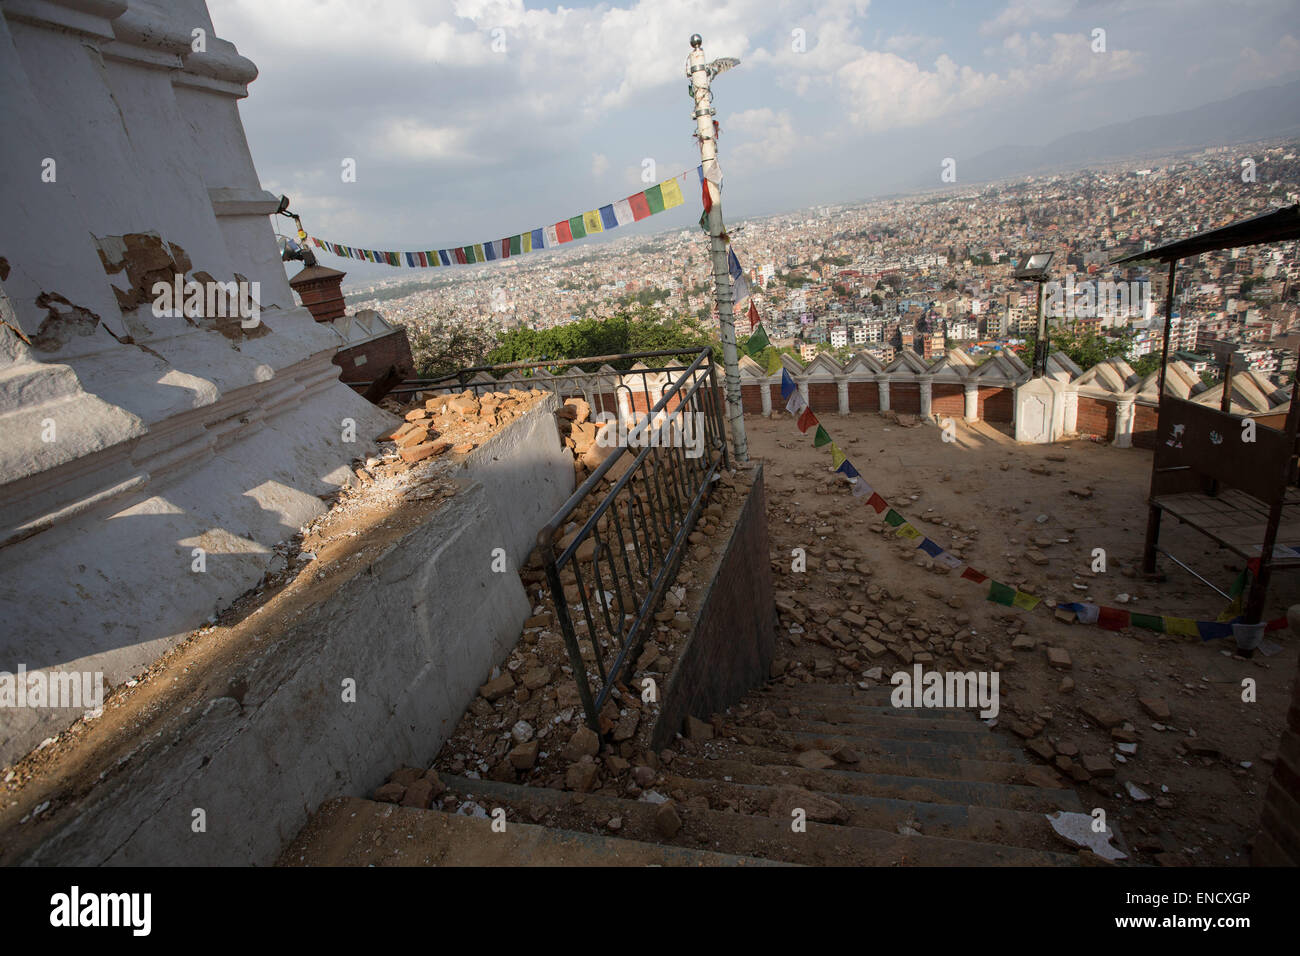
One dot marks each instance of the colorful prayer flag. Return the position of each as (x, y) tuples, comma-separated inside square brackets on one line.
[(773, 362), (787, 383), (1000, 593), (970, 574), (878, 503), (654, 199), (1026, 602), (821, 438), (894, 519), (1112, 619), (806, 420), (756, 342), (640, 207), (592, 223), (672, 193), (837, 456)]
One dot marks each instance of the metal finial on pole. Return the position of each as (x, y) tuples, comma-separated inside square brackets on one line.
[(701, 74)]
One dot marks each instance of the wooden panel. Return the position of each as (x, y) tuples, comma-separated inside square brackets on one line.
[(1209, 443)]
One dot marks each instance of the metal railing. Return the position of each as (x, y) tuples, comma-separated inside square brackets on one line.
[(598, 388), (613, 570)]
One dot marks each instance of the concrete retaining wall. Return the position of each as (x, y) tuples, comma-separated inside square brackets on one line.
[(730, 650)]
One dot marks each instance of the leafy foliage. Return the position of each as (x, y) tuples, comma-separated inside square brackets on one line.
[(443, 346), (639, 331)]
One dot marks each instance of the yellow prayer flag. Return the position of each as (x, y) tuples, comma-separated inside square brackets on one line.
[(837, 456), (905, 530), (1181, 625), (774, 362), (478, 252), (591, 221), (672, 193), (1026, 601), (526, 239)]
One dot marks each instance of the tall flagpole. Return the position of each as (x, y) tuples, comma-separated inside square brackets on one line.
[(701, 73)]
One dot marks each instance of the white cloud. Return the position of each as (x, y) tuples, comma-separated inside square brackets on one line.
[(409, 138), (767, 139), (1019, 14), (599, 163)]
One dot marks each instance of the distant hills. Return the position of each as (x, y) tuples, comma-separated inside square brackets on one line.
[(1269, 113)]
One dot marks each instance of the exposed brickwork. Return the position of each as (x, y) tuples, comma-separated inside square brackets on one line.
[(1278, 841), (997, 405), (751, 399), (377, 357), (823, 397), (905, 398), (1096, 417), (948, 400), (864, 397), (1145, 420)]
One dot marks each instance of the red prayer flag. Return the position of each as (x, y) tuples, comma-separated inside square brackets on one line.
[(1112, 618), (708, 200), (505, 248), (460, 255), (640, 208), (807, 420), (563, 232), (753, 315), (877, 502), (970, 574)]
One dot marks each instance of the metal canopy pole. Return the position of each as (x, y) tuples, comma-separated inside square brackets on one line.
[(1169, 322), (701, 73)]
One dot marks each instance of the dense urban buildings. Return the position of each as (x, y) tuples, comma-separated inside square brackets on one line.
[(934, 270)]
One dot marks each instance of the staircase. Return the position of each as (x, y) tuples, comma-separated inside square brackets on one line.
[(879, 787)]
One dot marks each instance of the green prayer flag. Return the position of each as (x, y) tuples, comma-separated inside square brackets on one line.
[(756, 342), (1151, 622), (1001, 593), (654, 198), (577, 228), (893, 518), (821, 438), (515, 245)]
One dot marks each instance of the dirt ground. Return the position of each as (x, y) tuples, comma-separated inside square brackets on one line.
[(1203, 770)]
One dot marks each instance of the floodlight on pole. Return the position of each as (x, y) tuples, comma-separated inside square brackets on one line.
[(1034, 270)]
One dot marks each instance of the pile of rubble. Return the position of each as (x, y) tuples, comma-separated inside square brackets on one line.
[(458, 423)]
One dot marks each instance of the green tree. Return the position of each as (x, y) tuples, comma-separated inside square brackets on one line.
[(441, 346)]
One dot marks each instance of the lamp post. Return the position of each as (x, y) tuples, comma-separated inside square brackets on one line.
[(701, 74), (1035, 270)]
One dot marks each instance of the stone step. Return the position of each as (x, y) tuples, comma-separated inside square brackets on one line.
[(866, 723), (758, 834), (754, 765), (902, 742), (350, 831), (873, 701), (900, 760), (956, 821)]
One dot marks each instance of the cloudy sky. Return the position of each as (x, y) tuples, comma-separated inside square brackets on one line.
[(474, 119)]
